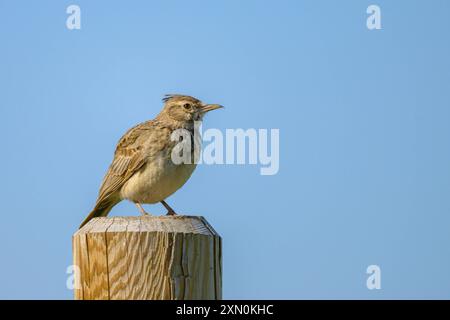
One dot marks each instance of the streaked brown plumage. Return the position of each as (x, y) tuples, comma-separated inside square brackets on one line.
[(142, 170)]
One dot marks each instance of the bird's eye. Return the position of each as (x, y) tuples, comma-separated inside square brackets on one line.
[(187, 106)]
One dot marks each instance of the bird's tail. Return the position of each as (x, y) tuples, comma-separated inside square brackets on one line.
[(101, 209)]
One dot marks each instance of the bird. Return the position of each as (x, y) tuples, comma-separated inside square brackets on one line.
[(142, 170)]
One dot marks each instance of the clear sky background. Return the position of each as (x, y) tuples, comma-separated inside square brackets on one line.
[(364, 136)]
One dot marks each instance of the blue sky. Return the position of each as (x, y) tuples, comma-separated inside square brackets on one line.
[(364, 137)]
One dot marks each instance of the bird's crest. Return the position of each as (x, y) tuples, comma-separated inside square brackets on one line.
[(170, 97)]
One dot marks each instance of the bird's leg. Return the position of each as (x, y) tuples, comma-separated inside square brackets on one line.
[(141, 210), (170, 211)]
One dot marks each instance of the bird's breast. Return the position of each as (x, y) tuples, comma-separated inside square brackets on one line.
[(157, 180)]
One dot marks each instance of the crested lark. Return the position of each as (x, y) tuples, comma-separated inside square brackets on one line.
[(142, 170)]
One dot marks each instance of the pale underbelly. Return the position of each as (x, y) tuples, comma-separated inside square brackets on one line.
[(156, 181)]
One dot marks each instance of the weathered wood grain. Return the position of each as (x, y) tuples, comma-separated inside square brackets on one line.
[(148, 257)]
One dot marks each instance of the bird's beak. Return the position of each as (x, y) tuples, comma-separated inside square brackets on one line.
[(209, 107)]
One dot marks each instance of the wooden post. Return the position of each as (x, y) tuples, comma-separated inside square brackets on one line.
[(148, 257)]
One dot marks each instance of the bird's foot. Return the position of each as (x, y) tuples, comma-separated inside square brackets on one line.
[(171, 213), (142, 211)]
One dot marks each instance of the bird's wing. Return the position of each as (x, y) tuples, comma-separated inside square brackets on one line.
[(129, 157)]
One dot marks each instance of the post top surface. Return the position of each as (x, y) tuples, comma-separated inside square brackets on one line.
[(177, 224)]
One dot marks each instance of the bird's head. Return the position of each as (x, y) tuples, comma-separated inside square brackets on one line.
[(185, 108)]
